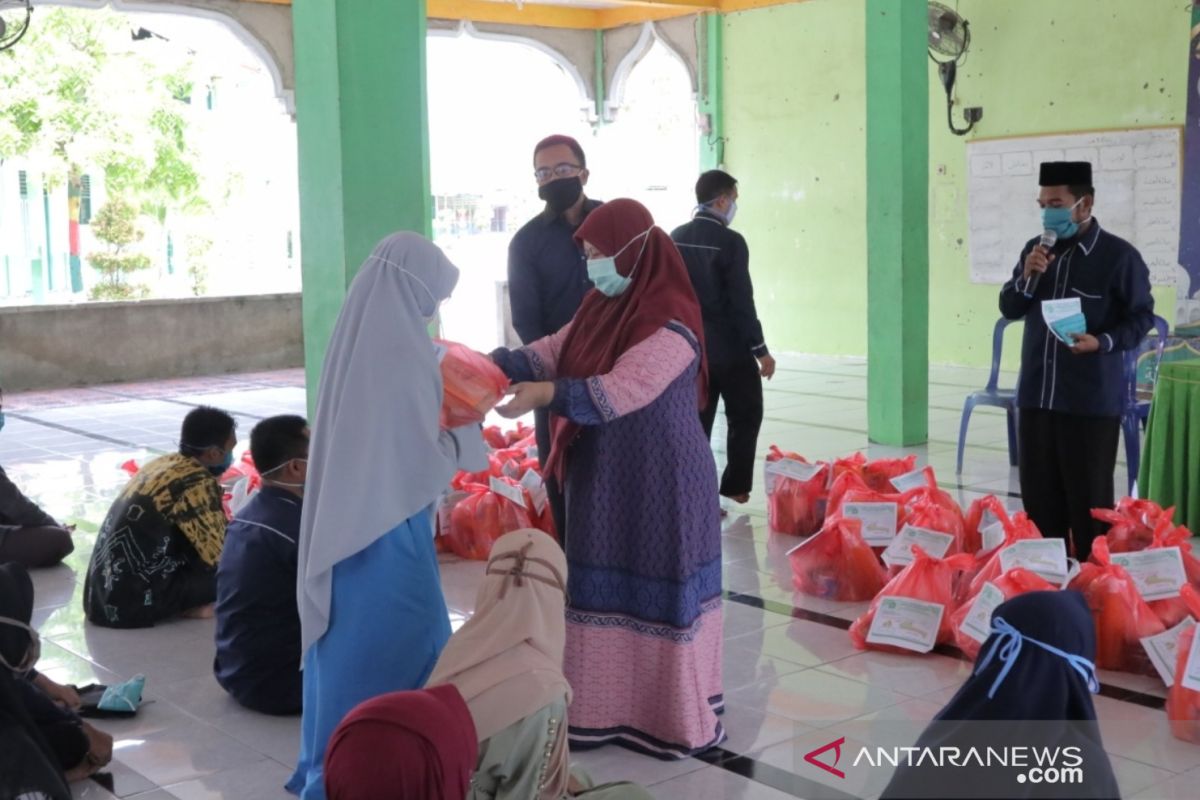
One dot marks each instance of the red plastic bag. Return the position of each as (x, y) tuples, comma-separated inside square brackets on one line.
[(926, 578), (1132, 523), (1012, 583), (1183, 704), (973, 521), (850, 487), (934, 510), (472, 385), (1122, 617), (988, 567), (498, 439), (1173, 610), (243, 469), (877, 474), (837, 564), (481, 518), (794, 506)]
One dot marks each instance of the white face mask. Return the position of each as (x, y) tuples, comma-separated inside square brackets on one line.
[(32, 652), (281, 466)]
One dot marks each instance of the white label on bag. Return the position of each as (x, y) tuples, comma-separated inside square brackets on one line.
[(993, 536), (1046, 557), (1163, 650), (796, 470), (507, 491), (1158, 574), (910, 480), (878, 521), (978, 624), (537, 490), (904, 622), (899, 553), (1191, 667)]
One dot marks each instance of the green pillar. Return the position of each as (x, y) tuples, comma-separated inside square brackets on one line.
[(712, 93), (363, 139), (897, 222)]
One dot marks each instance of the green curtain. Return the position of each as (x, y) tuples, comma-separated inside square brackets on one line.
[(1170, 468)]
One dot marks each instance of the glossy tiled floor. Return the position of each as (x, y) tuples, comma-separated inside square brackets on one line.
[(792, 677)]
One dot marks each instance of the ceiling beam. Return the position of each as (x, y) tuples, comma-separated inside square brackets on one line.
[(552, 15)]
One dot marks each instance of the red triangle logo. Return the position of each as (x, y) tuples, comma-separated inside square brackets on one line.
[(836, 747)]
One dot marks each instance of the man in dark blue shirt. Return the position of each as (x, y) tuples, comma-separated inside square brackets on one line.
[(1070, 397), (258, 624), (547, 271), (718, 262)]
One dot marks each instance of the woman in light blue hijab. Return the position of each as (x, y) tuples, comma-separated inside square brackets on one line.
[(373, 618)]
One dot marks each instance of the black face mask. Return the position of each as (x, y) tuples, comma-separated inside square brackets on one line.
[(561, 194)]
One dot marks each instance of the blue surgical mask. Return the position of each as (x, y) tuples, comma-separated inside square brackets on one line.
[(602, 272), (731, 213), (220, 469), (1059, 220)]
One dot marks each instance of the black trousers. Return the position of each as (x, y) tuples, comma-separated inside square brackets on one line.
[(34, 546), (740, 385), (1066, 467), (554, 495)]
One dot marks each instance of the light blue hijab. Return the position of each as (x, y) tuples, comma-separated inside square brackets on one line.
[(378, 455)]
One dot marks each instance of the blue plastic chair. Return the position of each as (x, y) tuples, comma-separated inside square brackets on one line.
[(1137, 411), (991, 395)]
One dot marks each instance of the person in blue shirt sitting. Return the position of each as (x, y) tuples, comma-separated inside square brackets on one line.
[(258, 624)]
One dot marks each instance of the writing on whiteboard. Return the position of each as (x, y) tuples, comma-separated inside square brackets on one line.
[(1136, 173)]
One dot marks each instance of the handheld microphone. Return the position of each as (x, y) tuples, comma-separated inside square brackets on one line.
[(1049, 238)]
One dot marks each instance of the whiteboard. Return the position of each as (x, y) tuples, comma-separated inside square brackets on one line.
[(1136, 173)]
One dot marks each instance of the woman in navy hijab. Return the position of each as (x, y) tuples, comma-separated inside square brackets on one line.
[(1030, 693)]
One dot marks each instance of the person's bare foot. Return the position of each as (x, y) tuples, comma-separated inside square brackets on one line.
[(200, 612)]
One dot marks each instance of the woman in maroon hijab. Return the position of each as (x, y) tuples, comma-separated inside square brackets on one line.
[(623, 382), (403, 746)]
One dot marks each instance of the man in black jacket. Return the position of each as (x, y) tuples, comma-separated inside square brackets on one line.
[(1071, 396), (718, 263), (547, 271)]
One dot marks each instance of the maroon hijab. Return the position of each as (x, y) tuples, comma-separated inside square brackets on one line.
[(605, 327), (404, 746)]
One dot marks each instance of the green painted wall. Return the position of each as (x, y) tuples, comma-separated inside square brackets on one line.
[(794, 118)]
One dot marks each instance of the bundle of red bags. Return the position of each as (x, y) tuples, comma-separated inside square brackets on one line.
[(795, 507), (498, 439), (472, 385), (1122, 617), (837, 564), (479, 519), (1183, 703), (927, 579), (1015, 582)]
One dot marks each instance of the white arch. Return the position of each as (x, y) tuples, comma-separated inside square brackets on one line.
[(465, 28), (244, 34), (620, 79)]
